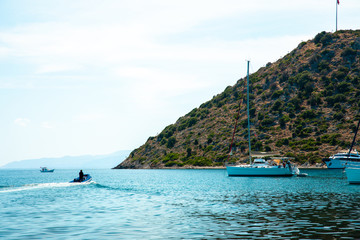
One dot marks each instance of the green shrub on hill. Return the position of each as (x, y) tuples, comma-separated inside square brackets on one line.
[(170, 157), (308, 114), (171, 142), (349, 54)]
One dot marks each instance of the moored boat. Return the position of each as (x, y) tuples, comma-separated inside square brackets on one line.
[(346, 159), (353, 175), (343, 159), (259, 167)]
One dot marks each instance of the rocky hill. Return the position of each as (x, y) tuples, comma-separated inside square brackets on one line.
[(305, 105)]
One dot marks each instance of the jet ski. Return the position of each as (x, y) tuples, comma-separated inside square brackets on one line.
[(86, 178)]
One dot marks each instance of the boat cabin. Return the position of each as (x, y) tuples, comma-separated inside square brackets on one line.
[(259, 161)]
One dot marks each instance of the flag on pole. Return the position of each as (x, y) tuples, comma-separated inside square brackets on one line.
[(338, 1)]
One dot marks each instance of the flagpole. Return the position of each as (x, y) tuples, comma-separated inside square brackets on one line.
[(336, 14)]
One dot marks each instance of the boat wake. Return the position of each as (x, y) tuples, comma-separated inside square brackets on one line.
[(117, 188), (34, 186), (98, 185)]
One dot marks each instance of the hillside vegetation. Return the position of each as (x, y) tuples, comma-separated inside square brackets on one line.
[(305, 105)]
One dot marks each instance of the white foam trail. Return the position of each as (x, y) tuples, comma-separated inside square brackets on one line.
[(41, 185)]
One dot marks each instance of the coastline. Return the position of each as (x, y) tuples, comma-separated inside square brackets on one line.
[(222, 167)]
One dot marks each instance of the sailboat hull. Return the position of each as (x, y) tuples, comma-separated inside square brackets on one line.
[(238, 171)]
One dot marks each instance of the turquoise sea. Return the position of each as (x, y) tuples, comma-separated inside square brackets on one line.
[(177, 204)]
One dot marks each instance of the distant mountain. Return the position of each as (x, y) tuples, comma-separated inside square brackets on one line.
[(70, 162), (305, 105)]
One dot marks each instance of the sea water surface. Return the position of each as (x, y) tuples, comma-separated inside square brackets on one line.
[(177, 204)]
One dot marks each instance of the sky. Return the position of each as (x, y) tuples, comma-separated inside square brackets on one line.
[(98, 76)]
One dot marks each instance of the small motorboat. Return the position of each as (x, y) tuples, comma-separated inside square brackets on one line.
[(45, 169), (86, 178)]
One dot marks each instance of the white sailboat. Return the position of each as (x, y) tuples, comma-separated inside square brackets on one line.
[(260, 167)]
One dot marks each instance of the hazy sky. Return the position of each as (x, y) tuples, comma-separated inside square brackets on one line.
[(97, 76)]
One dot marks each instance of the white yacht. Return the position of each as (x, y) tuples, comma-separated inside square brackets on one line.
[(343, 159), (259, 167), (346, 159)]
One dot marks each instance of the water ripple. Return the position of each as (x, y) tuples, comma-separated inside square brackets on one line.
[(178, 204)]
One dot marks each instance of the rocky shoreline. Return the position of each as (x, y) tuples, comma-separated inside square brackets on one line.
[(304, 166)]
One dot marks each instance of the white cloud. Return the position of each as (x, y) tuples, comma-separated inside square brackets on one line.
[(22, 122), (100, 35), (60, 42)]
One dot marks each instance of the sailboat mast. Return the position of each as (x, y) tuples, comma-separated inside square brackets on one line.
[(248, 112)]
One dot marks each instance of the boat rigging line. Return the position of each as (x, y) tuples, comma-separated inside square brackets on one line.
[(353, 142)]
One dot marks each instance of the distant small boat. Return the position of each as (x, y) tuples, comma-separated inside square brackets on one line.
[(45, 169), (353, 175), (86, 178)]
